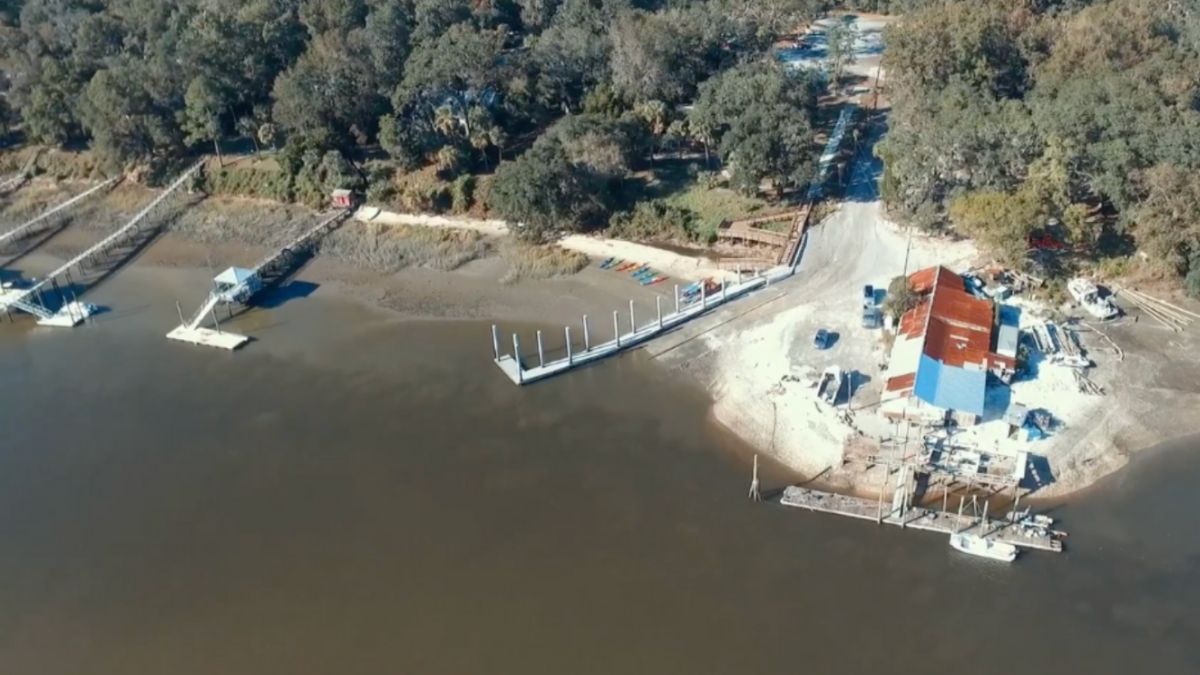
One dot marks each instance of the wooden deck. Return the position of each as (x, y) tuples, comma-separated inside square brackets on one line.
[(753, 234), (916, 518)]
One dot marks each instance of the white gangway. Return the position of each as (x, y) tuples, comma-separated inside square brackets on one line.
[(30, 299)]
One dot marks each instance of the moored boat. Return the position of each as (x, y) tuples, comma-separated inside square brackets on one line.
[(984, 548)]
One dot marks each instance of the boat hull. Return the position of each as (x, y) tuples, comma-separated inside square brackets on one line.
[(983, 548)]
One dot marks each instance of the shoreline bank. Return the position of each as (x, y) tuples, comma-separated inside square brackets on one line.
[(743, 363)]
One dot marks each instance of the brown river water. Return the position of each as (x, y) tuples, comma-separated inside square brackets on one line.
[(354, 493)]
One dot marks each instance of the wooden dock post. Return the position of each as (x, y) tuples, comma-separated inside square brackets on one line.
[(567, 330), (703, 294), (676, 299), (882, 485), (658, 306), (517, 358), (724, 294), (541, 354), (755, 495), (632, 322), (587, 339), (495, 336), (617, 328)]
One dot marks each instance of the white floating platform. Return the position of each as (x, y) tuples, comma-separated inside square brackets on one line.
[(207, 337), (521, 374)]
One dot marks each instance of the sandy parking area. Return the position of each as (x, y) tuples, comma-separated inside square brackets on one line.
[(748, 359), (761, 366)]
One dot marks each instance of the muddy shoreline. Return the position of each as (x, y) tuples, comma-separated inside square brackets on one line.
[(467, 283)]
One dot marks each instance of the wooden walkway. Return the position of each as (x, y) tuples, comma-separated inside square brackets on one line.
[(753, 234), (916, 517)]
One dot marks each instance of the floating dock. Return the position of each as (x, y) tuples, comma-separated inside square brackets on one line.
[(208, 337), (237, 285), (627, 336), (919, 518), (30, 299)]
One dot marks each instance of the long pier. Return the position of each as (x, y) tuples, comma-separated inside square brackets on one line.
[(239, 285), (627, 333), (920, 518), (30, 299), (23, 228)]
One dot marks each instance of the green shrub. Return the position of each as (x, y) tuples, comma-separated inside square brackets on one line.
[(1191, 283), (235, 181), (462, 194), (657, 221)]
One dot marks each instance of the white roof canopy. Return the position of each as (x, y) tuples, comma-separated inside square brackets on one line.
[(234, 276)]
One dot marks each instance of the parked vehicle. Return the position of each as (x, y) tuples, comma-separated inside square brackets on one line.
[(823, 339), (871, 318)]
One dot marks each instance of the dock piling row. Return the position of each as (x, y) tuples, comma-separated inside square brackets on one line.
[(685, 310)]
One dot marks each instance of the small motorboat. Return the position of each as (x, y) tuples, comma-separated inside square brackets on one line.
[(976, 545)]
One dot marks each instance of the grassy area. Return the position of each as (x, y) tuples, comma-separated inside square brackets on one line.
[(392, 248), (528, 262), (51, 163), (685, 184)]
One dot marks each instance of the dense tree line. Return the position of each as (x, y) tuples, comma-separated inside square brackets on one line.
[(461, 84), (1084, 117)]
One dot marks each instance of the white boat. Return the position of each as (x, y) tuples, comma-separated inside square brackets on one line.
[(984, 548), (69, 315), (1088, 297)]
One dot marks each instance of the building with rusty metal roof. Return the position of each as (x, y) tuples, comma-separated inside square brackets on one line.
[(945, 348)]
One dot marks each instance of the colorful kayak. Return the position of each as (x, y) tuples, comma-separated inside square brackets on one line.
[(606, 263), (627, 266)]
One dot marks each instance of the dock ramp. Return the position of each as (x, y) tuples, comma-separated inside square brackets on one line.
[(31, 299), (238, 285)]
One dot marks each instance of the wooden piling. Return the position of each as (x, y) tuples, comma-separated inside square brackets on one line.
[(617, 327), (495, 336), (517, 358), (570, 356), (587, 340), (541, 353), (755, 495)]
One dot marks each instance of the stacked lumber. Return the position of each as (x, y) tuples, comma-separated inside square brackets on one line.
[(1170, 316)]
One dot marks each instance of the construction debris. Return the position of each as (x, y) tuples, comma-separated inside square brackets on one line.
[(1116, 348), (1086, 385)]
